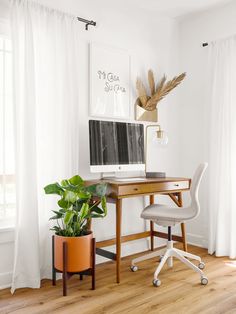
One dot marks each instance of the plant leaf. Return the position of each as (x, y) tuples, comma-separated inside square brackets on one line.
[(97, 209), (76, 180), (53, 188), (95, 216), (78, 204), (84, 195), (63, 203), (55, 217), (68, 217), (84, 210), (67, 185), (56, 212), (70, 230), (97, 189), (104, 205), (70, 196), (64, 183), (55, 228)]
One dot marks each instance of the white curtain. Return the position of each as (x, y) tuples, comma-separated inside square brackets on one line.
[(222, 183), (46, 118)]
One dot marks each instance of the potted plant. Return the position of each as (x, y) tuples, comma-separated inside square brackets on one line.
[(78, 204)]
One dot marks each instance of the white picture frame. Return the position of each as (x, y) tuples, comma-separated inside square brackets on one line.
[(109, 82)]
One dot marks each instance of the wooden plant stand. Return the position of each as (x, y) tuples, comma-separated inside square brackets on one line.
[(67, 275)]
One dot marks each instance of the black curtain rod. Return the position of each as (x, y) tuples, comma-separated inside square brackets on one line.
[(204, 44), (87, 22)]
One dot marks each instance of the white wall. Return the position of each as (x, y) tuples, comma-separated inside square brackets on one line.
[(152, 42), (149, 47), (194, 30)]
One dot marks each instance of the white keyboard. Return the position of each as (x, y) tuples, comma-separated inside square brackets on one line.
[(128, 179)]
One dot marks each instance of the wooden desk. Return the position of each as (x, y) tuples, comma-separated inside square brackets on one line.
[(118, 190)]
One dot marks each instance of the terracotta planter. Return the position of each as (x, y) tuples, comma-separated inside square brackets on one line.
[(79, 253)]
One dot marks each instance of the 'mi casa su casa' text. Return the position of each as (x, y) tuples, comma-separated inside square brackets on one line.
[(111, 82)]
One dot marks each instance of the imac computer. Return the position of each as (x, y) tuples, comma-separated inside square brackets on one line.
[(116, 146)]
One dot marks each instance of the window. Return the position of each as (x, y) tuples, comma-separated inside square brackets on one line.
[(7, 162)]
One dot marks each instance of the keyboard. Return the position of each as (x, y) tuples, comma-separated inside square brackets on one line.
[(128, 179)]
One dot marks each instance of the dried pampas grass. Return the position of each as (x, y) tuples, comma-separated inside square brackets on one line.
[(157, 93)]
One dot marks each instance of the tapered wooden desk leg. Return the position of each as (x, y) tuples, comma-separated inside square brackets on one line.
[(183, 230), (152, 225), (118, 237)]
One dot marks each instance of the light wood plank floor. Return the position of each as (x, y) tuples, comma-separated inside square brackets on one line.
[(180, 292)]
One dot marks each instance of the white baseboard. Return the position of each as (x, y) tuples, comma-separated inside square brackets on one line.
[(5, 279), (197, 240)]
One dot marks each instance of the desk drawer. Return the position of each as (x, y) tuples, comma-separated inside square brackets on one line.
[(155, 187)]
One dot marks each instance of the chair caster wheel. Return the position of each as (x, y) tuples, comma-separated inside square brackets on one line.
[(204, 281), (160, 258), (134, 268), (201, 265), (156, 282)]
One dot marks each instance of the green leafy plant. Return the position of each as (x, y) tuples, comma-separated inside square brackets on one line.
[(78, 204)]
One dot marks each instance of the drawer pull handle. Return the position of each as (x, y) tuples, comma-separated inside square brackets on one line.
[(136, 189), (176, 184)]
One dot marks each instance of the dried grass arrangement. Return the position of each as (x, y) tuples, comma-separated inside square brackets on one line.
[(158, 92)]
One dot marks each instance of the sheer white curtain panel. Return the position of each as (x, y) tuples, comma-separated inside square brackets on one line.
[(45, 54), (222, 144)]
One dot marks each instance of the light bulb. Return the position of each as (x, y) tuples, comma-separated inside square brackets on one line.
[(160, 138)]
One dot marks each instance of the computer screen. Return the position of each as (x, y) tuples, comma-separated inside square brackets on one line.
[(116, 146)]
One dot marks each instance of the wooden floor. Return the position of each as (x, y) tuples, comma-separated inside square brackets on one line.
[(179, 293)]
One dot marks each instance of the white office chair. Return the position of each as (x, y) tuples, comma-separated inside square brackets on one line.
[(169, 216)]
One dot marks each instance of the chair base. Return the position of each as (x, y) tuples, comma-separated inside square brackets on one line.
[(167, 255)]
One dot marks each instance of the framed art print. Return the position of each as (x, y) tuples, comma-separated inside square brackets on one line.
[(109, 82)]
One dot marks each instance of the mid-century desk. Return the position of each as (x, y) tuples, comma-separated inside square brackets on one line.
[(118, 190)]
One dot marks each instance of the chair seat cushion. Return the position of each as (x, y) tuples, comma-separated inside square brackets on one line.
[(157, 212)]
